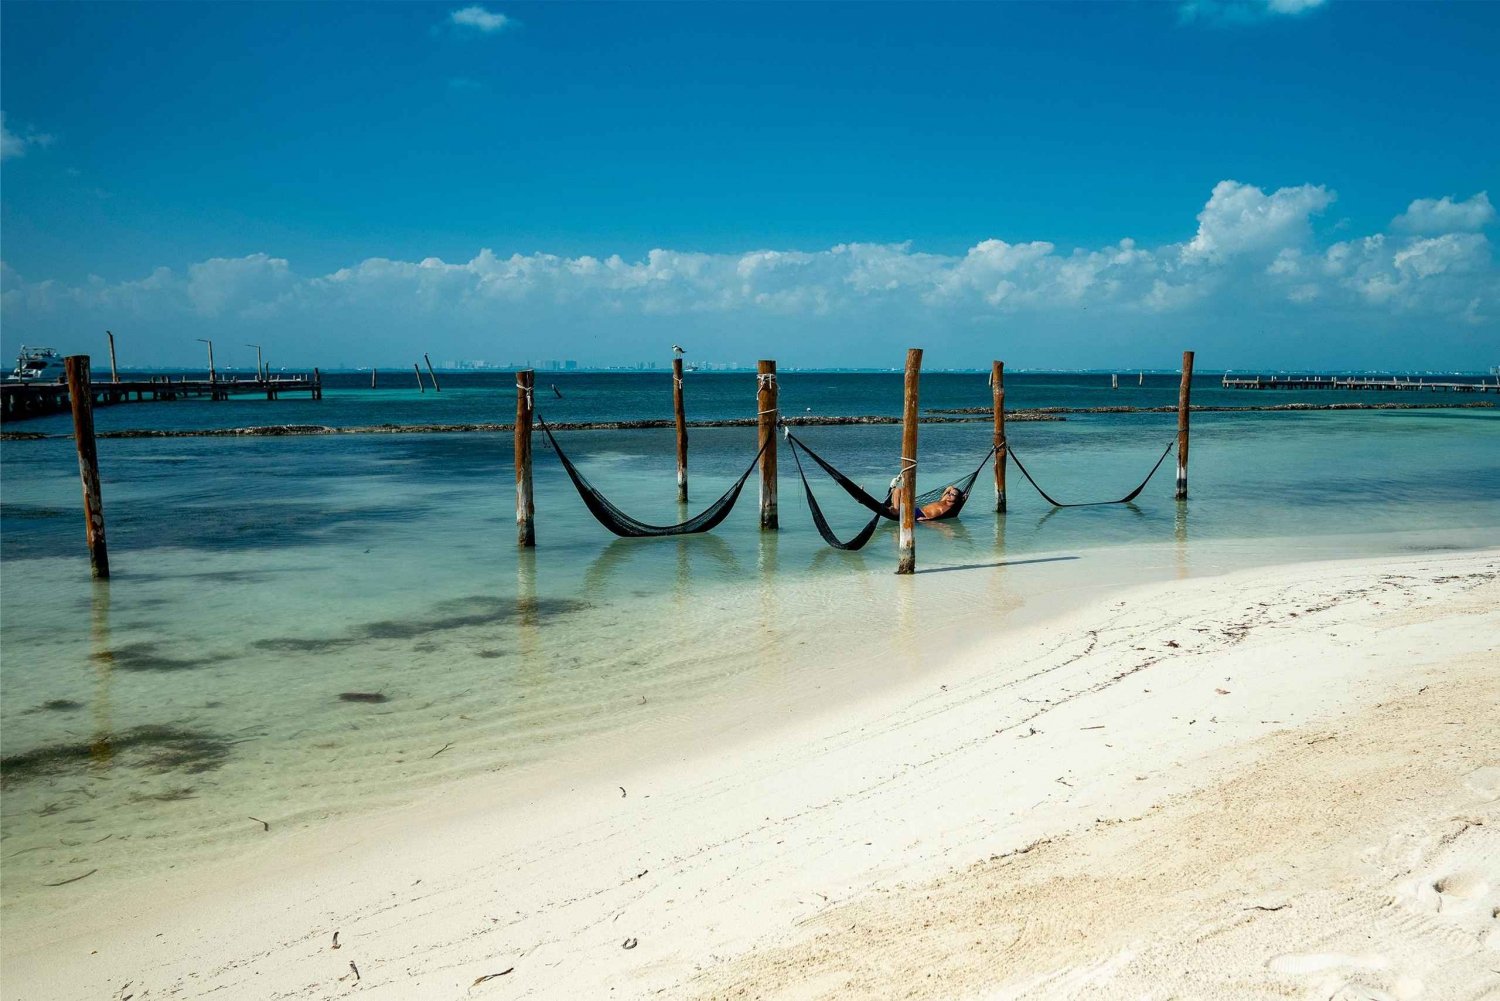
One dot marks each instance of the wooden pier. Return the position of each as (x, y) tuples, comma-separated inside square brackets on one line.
[(33, 399), (1385, 384)]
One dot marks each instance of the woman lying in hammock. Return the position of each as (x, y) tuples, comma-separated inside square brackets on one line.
[(952, 497)]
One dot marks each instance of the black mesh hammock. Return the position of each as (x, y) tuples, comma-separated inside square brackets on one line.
[(821, 523), (1123, 500), (624, 525), (880, 508)]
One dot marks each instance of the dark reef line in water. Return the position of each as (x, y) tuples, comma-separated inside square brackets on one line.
[(1046, 413), (957, 415), (292, 430)]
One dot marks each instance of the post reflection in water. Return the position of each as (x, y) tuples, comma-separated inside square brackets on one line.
[(101, 655), (1180, 534), (767, 559), (528, 613)]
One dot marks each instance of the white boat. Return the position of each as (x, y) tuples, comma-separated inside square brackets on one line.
[(39, 365)]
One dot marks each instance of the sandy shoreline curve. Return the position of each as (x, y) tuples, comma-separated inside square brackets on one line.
[(1265, 784)]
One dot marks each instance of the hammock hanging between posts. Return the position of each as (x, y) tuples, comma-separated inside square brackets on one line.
[(965, 485), (881, 508), (821, 523), (1123, 500), (622, 524)]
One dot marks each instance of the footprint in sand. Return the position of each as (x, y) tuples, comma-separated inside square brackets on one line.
[(1485, 782), (1451, 893), (1348, 977)]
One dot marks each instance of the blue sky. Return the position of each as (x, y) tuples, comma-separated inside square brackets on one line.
[(821, 183)]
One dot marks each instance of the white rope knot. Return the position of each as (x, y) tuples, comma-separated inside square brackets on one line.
[(766, 380), (530, 397)]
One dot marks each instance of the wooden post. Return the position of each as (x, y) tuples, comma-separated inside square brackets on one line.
[(430, 372), (682, 437), (1184, 395), (317, 388), (906, 551), (418, 369), (766, 407), (374, 375), (997, 387), (114, 373), (525, 506), (81, 394)]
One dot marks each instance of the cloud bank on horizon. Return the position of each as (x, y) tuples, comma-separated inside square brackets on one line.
[(1254, 285)]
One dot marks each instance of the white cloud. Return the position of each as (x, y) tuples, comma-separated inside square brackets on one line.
[(1444, 215), (1242, 219), (479, 19), (1234, 12), (14, 144), (1252, 257)]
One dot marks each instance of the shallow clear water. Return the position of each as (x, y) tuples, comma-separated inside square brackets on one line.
[(257, 580)]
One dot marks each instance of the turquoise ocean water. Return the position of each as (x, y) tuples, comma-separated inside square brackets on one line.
[(258, 581)]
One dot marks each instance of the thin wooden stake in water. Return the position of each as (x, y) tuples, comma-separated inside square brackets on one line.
[(1183, 407), (114, 373), (906, 551), (81, 394), (997, 386), (431, 374), (765, 398), (525, 506), (418, 369), (682, 436), (374, 375)]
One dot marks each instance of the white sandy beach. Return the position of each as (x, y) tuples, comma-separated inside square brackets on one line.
[(1276, 783)]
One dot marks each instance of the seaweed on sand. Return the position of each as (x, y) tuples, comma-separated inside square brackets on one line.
[(56, 706), (144, 657), (154, 748)]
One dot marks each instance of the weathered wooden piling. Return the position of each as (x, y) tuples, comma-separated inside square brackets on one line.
[(430, 373), (114, 372), (997, 387), (81, 393), (213, 376), (682, 436), (766, 405), (525, 505), (374, 377), (317, 385), (906, 551), (418, 369), (1184, 394)]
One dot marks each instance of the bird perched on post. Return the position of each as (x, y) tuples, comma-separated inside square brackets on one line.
[(677, 349)]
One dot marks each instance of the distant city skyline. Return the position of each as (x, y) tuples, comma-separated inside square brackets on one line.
[(1278, 185)]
